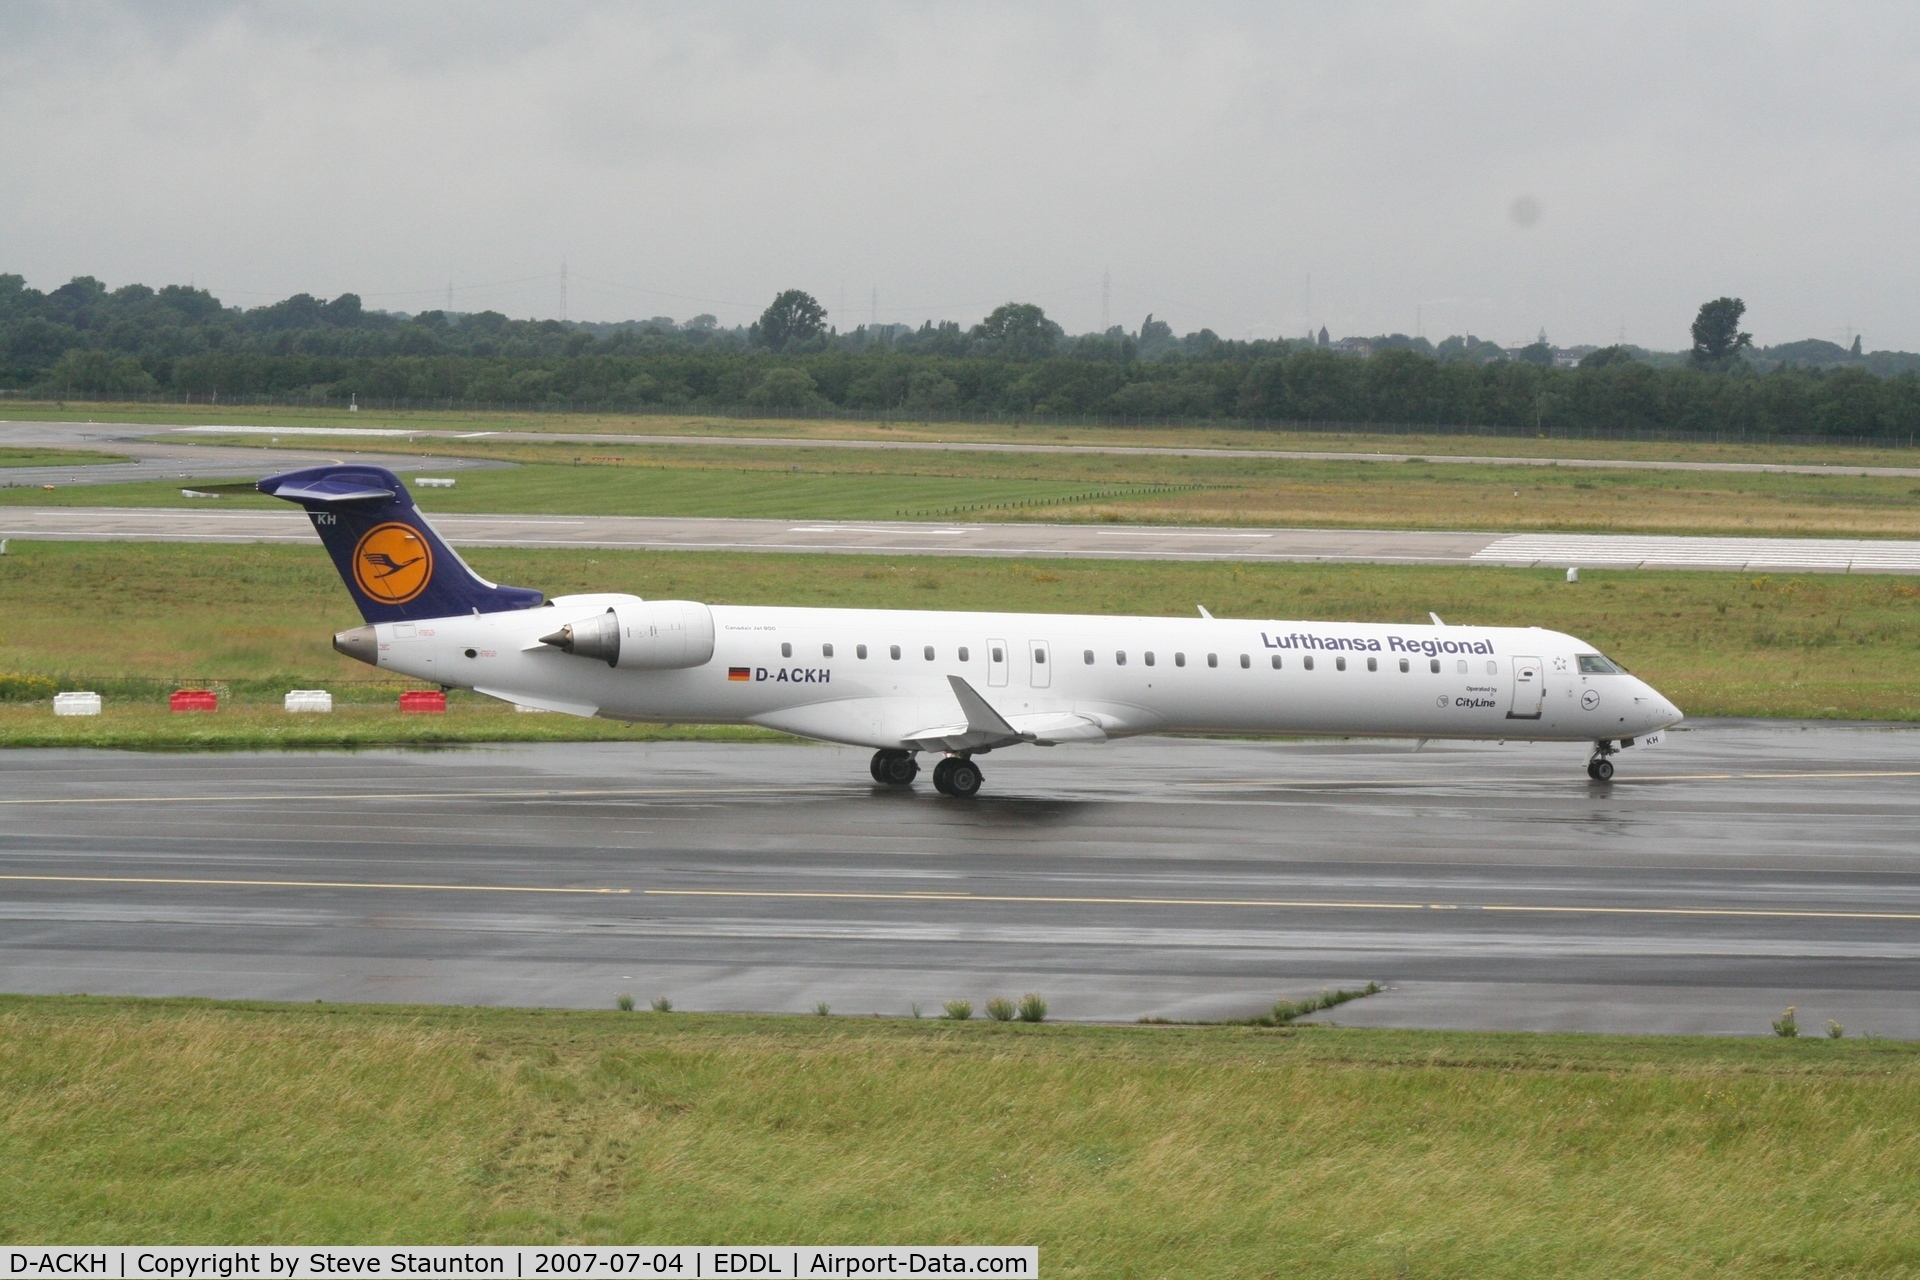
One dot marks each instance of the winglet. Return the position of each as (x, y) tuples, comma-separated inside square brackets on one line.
[(981, 717)]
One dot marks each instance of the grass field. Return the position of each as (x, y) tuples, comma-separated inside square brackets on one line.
[(1119, 1151), (55, 457), (625, 479), (263, 616), (1218, 436)]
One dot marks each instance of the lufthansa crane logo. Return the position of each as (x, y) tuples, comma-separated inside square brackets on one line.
[(392, 563)]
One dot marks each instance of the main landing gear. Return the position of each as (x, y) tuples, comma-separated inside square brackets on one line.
[(894, 768), (956, 776), (1600, 768)]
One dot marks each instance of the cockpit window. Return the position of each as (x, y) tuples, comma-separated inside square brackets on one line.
[(1592, 664)]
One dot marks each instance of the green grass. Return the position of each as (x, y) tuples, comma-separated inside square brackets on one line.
[(780, 483), (775, 491), (55, 457), (123, 725), (1119, 1151), (262, 617), (1225, 435)]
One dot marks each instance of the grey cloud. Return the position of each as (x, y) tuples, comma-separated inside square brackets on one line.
[(955, 156)]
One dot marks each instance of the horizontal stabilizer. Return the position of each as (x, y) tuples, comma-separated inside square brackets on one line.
[(330, 491)]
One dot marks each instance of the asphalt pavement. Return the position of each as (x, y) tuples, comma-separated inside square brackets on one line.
[(209, 523), (1743, 867)]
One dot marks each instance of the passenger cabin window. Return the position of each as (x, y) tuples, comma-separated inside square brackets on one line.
[(859, 651), (1463, 666), (1404, 666), (1213, 659), (1493, 668), (1039, 656), (1307, 662), (1435, 664), (895, 651), (1592, 664), (1276, 662), (1179, 659), (1120, 658), (826, 651), (928, 651), (1089, 657), (999, 654), (1149, 657), (1245, 662), (786, 650), (1373, 664), (963, 653), (1340, 663)]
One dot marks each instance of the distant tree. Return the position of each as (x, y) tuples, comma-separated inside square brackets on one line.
[(1607, 355), (1716, 333), (1856, 346), (785, 389), (1019, 329), (1540, 353), (702, 323), (794, 317)]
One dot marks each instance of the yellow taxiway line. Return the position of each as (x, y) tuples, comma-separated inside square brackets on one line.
[(1302, 784), (1298, 904), (308, 884), (1305, 904)]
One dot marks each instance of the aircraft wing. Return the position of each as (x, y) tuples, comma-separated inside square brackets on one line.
[(985, 728)]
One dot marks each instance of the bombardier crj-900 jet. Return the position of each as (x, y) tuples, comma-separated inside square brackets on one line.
[(953, 685)]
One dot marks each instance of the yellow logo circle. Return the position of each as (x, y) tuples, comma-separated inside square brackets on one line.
[(393, 563)]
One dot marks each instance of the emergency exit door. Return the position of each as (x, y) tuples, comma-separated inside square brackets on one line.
[(1529, 689)]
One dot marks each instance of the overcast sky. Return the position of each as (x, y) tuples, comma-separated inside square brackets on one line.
[(1494, 168)]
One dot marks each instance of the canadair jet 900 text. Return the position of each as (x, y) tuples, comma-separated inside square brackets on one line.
[(957, 685)]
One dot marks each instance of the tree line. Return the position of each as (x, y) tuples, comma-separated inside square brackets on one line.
[(83, 339)]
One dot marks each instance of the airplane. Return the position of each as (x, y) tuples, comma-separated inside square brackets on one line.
[(953, 685)]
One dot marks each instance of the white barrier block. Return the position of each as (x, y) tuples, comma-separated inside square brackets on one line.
[(309, 700), (432, 482), (76, 704)]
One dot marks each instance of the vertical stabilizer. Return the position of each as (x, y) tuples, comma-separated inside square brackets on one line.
[(395, 566)]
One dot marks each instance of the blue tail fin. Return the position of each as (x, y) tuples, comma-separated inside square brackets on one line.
[(395, 566)]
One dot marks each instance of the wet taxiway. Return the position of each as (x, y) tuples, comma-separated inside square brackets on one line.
[(1742, 867)]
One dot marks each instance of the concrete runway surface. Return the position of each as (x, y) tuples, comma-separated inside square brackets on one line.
[(1037, 541), (1743, 867)]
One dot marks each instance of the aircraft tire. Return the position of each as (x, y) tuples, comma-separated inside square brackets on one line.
[(901, 769), (943, 775), (878, 767), (1600, 769), (963, 779)]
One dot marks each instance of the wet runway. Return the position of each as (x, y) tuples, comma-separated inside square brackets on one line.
[(1741, 868)]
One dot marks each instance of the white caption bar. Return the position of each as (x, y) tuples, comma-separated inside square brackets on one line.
[(517, 1262)]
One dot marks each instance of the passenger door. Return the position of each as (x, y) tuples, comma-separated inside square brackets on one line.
[(1529, 689), (1041, 668), (996, 662)]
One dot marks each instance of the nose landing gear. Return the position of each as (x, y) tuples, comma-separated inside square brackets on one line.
[(957, 776), (1600, 768), (894, 768)]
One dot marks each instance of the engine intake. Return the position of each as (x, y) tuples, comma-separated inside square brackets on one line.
[(657, 635)]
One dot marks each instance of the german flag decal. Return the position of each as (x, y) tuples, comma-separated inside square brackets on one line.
[(739, 673)]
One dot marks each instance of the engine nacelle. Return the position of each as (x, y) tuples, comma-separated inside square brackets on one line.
[(652, 635)]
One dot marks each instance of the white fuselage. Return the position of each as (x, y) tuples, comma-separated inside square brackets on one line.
[(880, 678)]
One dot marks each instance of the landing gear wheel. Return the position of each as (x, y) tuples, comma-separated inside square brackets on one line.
[(963, 779), (900, 769), (878, 766), (941, 772), (1600, 769)]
